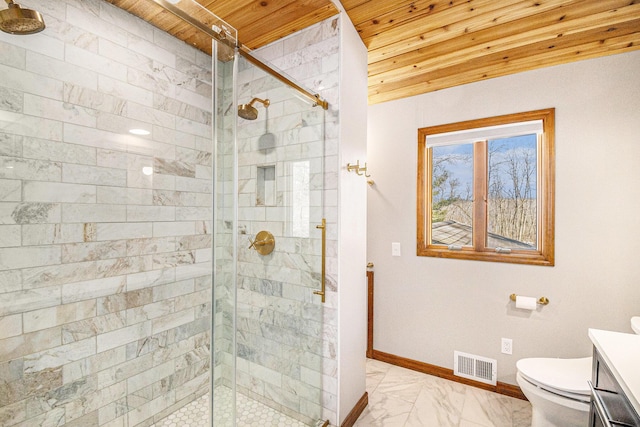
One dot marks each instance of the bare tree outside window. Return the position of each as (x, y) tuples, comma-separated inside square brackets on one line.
[(452, 193), (512, 189)]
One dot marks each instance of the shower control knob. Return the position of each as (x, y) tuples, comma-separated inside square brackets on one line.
[(263, 243)]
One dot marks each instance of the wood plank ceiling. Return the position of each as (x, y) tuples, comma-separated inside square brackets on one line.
[(421, 46)]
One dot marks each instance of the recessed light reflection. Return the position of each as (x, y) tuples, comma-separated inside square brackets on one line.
[(139, 131), (147, 170)]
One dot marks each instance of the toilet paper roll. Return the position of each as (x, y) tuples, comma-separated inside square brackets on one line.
[(526, 303)]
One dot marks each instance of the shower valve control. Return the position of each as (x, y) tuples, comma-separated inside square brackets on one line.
[(263, 243)]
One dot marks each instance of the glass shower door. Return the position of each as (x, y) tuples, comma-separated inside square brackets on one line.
[(269, 254), (280, 194)]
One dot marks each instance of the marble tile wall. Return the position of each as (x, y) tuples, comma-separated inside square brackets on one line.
[(105, 242), (286, 341)]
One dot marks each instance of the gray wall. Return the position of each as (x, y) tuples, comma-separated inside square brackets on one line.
[(352, 220), (425, 308)]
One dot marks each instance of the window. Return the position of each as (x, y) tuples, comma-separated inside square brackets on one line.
[(486, 189)]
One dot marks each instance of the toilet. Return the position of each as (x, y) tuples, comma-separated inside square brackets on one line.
[(558, 389)]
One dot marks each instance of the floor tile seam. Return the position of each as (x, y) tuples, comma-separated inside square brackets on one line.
[(462, 408), (412, 402), (420, 382), (475, 421), (455, 411), (396, 396), (408, 421), (418, 389), (370, 393), (384, 410), (409, 373)]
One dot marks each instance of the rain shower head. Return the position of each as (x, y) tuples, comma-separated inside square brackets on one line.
[(16, 20), (248, 111)]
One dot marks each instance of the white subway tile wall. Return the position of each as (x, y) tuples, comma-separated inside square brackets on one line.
[(105, 283)]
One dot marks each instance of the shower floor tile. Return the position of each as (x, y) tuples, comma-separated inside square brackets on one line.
[(250, 413)]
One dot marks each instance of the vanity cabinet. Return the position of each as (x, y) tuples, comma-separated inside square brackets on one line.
[(610, 407)]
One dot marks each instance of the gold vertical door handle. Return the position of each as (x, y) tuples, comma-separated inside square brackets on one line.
[(322, 292)]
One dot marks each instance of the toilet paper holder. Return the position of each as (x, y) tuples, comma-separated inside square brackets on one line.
[(541, 300)]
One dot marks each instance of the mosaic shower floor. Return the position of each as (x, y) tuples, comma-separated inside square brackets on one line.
[(250, 414)]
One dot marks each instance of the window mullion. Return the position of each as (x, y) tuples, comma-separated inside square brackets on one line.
[(427, 156), (480, 197)]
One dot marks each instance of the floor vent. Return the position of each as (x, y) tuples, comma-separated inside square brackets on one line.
[(475, 367)]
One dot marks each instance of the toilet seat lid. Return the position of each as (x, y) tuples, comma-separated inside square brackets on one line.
[(568, 375)]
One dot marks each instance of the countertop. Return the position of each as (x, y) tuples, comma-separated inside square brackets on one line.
[(621, 352)]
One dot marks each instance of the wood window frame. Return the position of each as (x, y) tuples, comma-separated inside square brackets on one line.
[(544, 255)]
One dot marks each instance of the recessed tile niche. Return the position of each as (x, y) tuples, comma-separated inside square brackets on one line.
[(266, 191)]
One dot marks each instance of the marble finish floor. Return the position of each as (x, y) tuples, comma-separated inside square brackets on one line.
[(400, 397)]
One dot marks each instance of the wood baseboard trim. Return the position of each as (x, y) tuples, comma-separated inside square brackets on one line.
[(437, 371), (370, 314), (355, 413)]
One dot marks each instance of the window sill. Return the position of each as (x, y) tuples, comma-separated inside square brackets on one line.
[(515, 257)]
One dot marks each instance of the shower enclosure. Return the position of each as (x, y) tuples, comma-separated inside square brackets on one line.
[(268, 249), (267, 327), (157, 249)]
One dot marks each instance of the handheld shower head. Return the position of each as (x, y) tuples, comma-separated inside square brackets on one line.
[(248, 111), (16, 20)]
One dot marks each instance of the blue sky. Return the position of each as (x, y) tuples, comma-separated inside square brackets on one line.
[(463, 170)]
